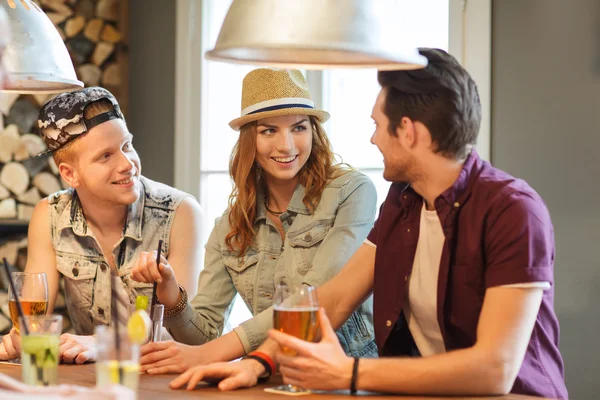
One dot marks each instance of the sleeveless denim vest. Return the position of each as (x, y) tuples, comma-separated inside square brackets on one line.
[(80, 260)]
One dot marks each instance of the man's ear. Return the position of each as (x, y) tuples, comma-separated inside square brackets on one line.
[(69, 174), (406, 132)]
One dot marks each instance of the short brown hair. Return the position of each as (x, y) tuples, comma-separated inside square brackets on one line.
[(68, 151), (442, 96)]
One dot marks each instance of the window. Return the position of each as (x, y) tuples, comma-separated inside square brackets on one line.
[(342, 92)]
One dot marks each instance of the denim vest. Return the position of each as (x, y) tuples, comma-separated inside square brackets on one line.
[(315, 248), (80, 260)]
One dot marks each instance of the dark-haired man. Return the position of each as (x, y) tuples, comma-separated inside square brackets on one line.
[(460, 262)]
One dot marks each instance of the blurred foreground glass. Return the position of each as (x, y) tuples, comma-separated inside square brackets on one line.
[(116, 365), (295, 313), (39, 349)]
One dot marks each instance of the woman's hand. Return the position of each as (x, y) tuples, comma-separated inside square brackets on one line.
[(169, 357), (145, 270)]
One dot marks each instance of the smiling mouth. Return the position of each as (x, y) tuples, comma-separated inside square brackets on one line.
[(285, 160), (124, 181)]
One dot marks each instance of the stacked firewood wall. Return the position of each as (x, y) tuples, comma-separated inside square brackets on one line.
[(95, 34)]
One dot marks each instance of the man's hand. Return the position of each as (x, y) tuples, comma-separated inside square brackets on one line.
[(11, 345), (145, 270), (77, 348), (322, 365), (169, 357), (233, 375)]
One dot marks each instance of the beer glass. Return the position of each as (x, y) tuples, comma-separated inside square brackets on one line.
[(32, 291), (295, 313)]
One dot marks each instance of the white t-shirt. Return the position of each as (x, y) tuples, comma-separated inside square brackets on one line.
[(420, 309)]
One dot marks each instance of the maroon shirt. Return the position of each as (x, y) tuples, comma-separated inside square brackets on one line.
[(498, 232)]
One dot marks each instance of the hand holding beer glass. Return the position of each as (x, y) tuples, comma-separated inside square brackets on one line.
[(295, 313)]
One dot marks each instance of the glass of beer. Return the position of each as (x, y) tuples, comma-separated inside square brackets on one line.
[(32, 291), (295, 313)]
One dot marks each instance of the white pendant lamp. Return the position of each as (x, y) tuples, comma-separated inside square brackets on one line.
[(36, 59), (315, 34)]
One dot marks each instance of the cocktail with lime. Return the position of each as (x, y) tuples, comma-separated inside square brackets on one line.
[(121, 364), (39, 349)]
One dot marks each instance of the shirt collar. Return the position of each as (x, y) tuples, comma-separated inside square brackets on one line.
[(261, 210), (458, 192), (296, 205), (73, 217), (455, 194)]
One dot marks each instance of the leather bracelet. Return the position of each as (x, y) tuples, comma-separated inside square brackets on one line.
[(354, 376), (265, 361), (265, 357), (179, 307)]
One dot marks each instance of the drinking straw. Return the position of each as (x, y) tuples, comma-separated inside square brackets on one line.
[(115, 317), (158, 253), (12, 286)]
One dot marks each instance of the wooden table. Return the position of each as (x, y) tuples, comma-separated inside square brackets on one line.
[(157, 387)]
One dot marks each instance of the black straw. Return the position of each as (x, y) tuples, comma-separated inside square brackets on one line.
[(115, 317), (158, 253), (12, 286)]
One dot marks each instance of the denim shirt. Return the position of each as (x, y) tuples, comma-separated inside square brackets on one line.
[(80, 260), (315, 248)]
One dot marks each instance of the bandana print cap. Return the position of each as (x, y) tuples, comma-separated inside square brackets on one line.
[(61, 119)]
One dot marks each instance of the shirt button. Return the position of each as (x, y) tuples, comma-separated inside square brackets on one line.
[(406, 278), (408, 230), (268, 295), (307, 237), (100, 310), (388, 323), (456, 204), (103, 267), (75, 271)]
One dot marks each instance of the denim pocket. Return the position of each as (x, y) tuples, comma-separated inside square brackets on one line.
[(240, 264), (79, 275)]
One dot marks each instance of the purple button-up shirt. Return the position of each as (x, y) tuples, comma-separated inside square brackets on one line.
[(498, 232)]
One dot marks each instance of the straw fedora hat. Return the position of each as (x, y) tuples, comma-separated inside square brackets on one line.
[(270, 92)]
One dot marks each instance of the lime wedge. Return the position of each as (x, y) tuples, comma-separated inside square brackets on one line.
[(130, 367), (113, 370), (141, 302), (138, 327), (39, 343)]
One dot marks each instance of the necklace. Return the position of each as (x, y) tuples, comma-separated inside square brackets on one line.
[(278, 213)]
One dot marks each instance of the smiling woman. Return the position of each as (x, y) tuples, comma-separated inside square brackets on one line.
[(294, 216)]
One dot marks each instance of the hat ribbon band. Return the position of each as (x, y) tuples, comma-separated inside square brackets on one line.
[(284, 102), (280, 107)]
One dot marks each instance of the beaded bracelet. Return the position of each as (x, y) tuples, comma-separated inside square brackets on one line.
[(180, 306)]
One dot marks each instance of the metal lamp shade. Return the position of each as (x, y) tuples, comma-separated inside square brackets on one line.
[(315, 34), (36, 58)]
